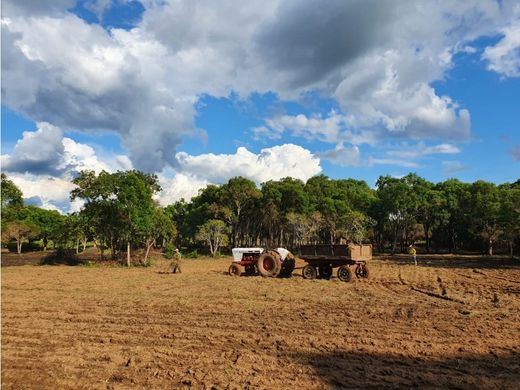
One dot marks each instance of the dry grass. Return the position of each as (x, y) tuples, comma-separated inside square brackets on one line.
[(426, 326)]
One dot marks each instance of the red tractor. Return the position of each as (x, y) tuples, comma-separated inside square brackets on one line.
[(266, 262)]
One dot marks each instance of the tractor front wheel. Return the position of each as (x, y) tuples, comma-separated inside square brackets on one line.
[(234, 270)]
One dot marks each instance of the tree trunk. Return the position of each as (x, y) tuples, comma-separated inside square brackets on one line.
[(84, 242), (77, 246), (19, 246), (128, 254), (113, 247), (490, 247), (427, 234), (45, 243), (394, 245), (511, 248), (148, 246), (211, 247)]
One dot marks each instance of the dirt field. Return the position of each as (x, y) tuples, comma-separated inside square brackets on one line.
[(446, 323)]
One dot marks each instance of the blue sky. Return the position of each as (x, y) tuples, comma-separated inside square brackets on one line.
[(197, 94)]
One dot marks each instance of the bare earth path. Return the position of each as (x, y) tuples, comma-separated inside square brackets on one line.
[(427, 326)]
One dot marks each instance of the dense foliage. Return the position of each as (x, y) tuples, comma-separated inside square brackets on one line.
[(120, 213)]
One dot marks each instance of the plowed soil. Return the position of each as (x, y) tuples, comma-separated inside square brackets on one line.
[(447, 323)]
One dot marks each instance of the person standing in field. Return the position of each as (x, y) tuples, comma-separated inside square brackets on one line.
[(176, 263), (413, 252)]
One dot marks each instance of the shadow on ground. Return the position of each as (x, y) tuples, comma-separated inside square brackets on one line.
[(454, 261), (347, 370)]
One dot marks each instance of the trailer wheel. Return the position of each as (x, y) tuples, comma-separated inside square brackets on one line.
[(269, 264), (362, 271), (344, 273), (325, 271), (234, 270), (309, 272)]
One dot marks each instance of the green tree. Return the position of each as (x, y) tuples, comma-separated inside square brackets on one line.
[(509, 215), (119, 205), (12, 200), (161, 226), (214, 233), (20, 231), (454, 224), (485, 201), (47, 222), (235, 197)]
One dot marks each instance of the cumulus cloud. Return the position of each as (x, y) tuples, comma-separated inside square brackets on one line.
[(504, 56), (47, 152), (43, 163), (270, 164), (52, 192), (176, 186), (38, 152), (377, 60)]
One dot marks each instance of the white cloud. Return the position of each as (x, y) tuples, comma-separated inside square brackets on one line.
[(392, 161), (270, 164), (504, 56), (43, 163), (377, 60), (176, 186), (312, 128), (408, 155), (450, 167), (53, 192), (420, 149), (343, 156)]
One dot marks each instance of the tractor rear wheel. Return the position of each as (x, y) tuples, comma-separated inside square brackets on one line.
[(325, 271), (344, 273), (269, 264), (234, 270), (309, 272)]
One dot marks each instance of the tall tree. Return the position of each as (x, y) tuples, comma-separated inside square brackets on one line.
[(120, 204), (454, 223), (485, 201)]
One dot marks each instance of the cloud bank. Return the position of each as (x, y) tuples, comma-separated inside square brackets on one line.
[(376, 59)]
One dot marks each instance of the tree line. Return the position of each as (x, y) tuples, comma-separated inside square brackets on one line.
[(120, 215)]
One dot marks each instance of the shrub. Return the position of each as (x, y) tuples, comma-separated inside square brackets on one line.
[(61, 256)]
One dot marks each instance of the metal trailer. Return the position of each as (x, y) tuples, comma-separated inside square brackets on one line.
[(266, 262), (322, 258)]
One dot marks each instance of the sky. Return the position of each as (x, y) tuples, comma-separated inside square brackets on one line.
[(198, 92)]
